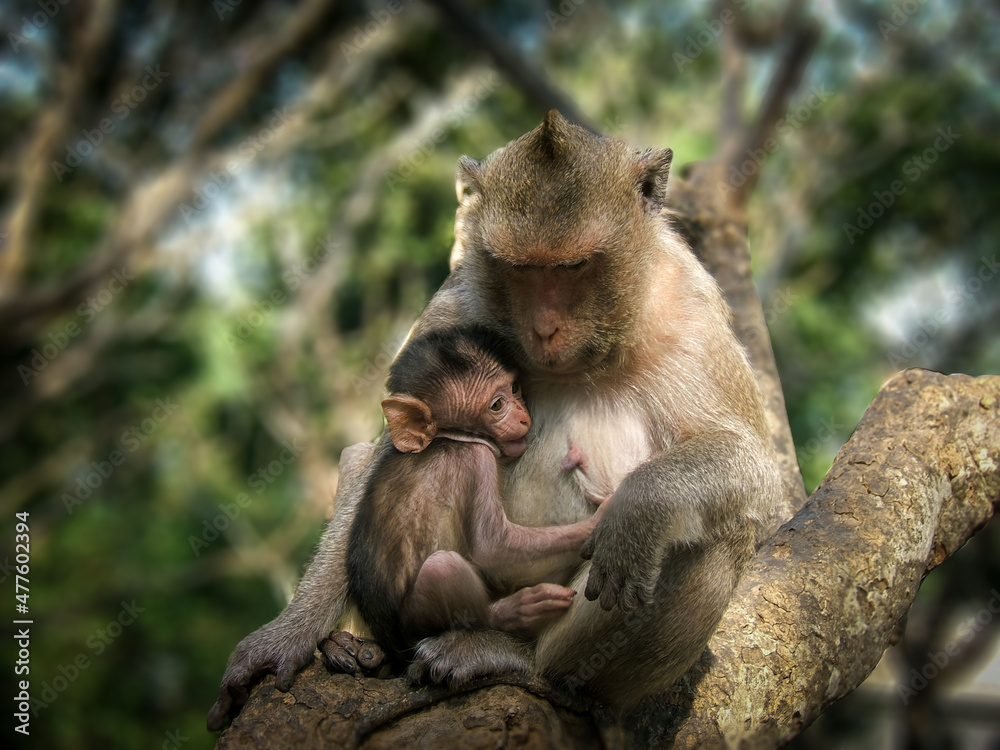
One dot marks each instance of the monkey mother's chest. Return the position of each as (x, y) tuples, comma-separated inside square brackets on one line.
[(576, 449)]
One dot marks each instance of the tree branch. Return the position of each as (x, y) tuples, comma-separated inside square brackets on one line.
[(783, 85), (34, 171), (918, 478), (267, 53), (536, 89), (764, 34)]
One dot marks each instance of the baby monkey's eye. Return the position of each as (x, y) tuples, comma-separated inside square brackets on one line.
[(497, 405), (515, 387)]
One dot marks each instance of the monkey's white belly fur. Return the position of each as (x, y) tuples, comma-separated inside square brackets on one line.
[(538, 491)]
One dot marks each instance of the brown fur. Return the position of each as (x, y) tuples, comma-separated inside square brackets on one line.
[(431, 530)]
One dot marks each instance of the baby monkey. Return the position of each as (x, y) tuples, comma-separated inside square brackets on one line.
[(430, 532)]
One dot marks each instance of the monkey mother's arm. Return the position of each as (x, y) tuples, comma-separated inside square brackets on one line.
[(695, 493), (286, 644)]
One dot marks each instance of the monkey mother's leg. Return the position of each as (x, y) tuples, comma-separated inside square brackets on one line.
[(623, 657), (287, 643)]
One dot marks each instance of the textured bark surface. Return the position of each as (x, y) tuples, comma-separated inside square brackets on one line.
[(918, 478), (326, 711)]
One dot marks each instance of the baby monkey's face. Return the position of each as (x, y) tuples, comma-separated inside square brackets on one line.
[(506, 417), (485, 401)]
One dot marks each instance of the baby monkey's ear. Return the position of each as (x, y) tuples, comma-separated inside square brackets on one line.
[(410, 424)]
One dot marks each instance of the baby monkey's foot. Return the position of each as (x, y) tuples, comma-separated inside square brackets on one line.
[(345, 652)]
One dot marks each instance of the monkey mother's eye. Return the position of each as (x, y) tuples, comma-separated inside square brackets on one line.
[(574, 266), (496, 406)]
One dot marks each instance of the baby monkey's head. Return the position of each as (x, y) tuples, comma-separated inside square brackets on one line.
[(461, 381)]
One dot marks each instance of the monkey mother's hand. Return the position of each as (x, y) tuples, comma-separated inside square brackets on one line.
[(276, 647), (345, 652), (624, 563)]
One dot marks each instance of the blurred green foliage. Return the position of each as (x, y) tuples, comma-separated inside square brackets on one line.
[(267, 320)]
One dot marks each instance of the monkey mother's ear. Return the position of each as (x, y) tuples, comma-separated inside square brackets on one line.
[(653, 169), (467, 179), (409, 422)]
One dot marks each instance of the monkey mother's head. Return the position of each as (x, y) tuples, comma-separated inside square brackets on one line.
[(558, 227)]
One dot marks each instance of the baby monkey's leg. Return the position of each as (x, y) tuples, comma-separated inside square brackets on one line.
[(449, 594)]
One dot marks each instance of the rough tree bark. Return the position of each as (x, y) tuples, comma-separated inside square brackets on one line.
[(809, 622)]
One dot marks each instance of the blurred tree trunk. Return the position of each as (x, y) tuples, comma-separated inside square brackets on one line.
[(810, 620)]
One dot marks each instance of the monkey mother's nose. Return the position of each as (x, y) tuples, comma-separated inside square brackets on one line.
[(545, 333)]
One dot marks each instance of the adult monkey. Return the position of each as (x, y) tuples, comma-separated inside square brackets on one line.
[(564, 239)]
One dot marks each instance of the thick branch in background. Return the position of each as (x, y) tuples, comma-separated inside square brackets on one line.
[(34, 171), (799, 35), (918, 478), (785, 82), (267, 54), (528, 80), (149, 204)]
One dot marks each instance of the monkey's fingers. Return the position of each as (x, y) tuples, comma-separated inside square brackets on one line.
[(595, 583), (542, 592), (217, 716), (535, 614), (337, 657), (628, 597), (416, 673), (232, 697), (548, 591), (345, 652), (341, 662), (239, 694), (284, 675), (639, 590), (604, 586), (370, 655), (609, 595), (366, 653), (345, 640)]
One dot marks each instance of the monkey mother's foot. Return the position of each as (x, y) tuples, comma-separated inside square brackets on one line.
[(460, 656), (345, 652)]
